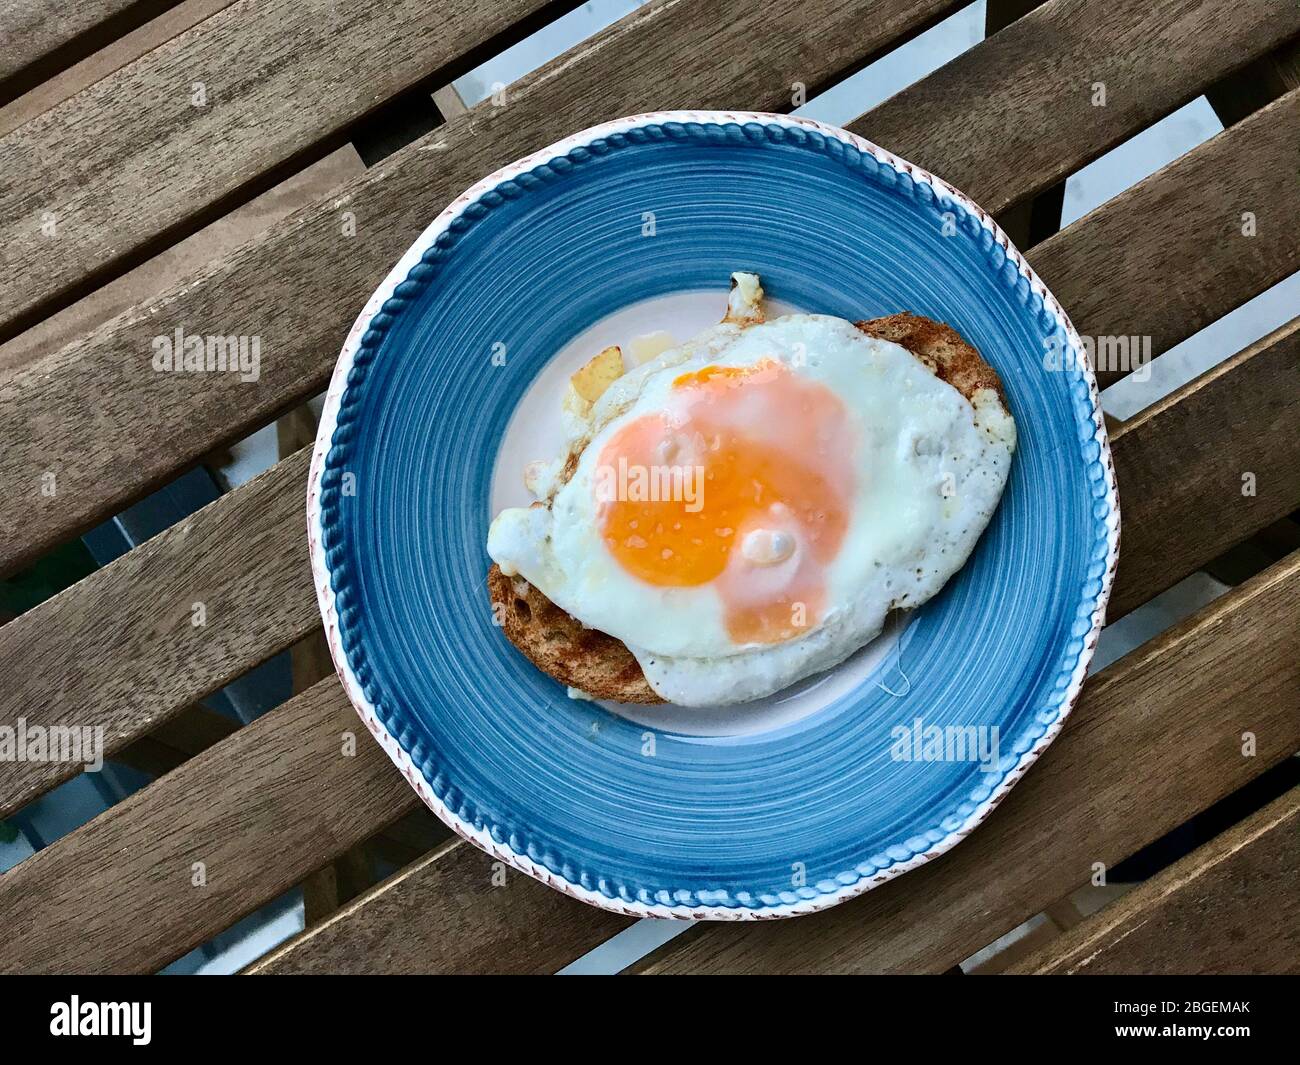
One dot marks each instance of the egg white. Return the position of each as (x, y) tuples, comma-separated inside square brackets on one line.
[(931, 468)]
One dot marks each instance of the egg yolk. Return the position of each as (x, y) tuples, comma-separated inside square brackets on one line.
[(744, 482)]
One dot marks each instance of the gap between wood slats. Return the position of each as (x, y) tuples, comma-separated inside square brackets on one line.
[(147, 668), (150, 279), (488, 920), (138, 161), (1082, 804), (106, 59), (302, 313), (1212, 463), (244, 557), (247, 809), (127, 290), (282, 777), (42, 38), (1231, 906), (1199, 263)]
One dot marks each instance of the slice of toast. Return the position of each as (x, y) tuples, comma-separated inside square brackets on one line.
[(601, 666), (558, 644)]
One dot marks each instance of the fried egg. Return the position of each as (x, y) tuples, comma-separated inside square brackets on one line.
[(743, 510)]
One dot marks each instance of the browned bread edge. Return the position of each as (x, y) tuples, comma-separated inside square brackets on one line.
[(559, 645), (941, 348)]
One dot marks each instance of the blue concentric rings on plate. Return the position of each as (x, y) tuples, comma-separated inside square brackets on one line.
[(763, 825)]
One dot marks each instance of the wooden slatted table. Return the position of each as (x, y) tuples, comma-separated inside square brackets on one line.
[(127, 127)]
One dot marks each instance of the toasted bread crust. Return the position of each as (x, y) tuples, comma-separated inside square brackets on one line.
[(941, 348), (558, 644), (600, 665)]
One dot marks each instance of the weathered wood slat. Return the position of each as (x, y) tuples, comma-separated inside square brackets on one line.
[(1003, 122), (277, 79), (1212, 463), (161, 141), (1231, 906), (42, 37), (156, 275), (121, 649), (1198, 263), (1156, 738), (482, 918), (103, 59), (261, 810), (1047, 834), (299, 288)]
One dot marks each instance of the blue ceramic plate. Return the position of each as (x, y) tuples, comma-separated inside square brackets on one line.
[(650, 817)]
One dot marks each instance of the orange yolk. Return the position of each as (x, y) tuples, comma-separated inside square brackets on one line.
[(743, 450)]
